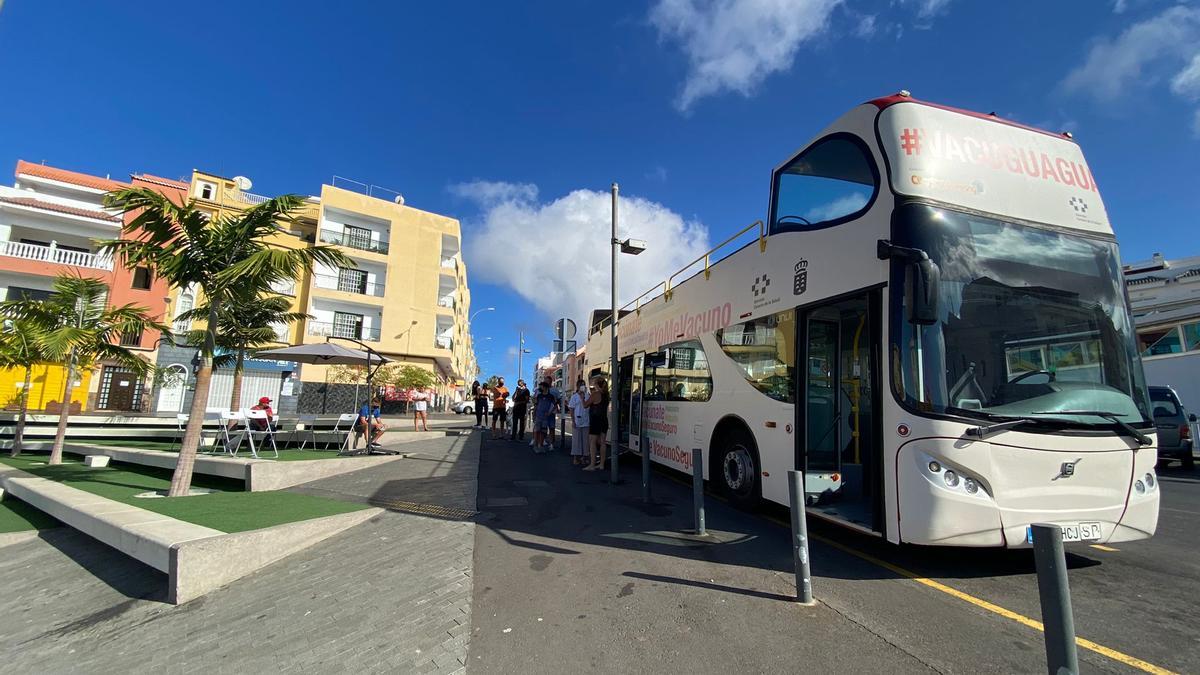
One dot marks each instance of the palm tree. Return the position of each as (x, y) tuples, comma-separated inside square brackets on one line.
[(244, 324), (76, 328), (19, 348), (222, 257)]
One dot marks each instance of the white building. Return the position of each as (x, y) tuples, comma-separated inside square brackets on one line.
[(1165, 298)]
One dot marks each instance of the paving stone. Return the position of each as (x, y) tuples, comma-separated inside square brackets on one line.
[(365, 600)]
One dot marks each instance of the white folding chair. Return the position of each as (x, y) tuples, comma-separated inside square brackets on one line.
[(345, 427), (258, 424), (181, 421), (235, 420)]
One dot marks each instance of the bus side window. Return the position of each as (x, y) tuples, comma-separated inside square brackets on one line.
[(678, 373), (831, 182)]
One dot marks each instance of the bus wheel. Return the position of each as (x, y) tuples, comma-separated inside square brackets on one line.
[(739, 470)]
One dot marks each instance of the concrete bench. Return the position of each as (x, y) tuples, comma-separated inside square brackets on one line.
[(196, 559), (138, 533)]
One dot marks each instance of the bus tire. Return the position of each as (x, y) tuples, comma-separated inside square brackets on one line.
[(737, 469)]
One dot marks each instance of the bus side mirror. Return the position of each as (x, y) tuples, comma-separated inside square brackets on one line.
[(924, 279)]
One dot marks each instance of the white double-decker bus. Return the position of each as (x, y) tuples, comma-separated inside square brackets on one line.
[(931, 324)]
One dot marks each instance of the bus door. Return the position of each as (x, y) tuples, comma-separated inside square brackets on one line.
[(634, 402), (623, 394), (840, 451)]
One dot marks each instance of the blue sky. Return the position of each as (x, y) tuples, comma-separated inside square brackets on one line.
[(516, 117)]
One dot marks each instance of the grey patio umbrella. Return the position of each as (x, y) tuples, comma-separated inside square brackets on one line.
[(325, 353), (331, 354)]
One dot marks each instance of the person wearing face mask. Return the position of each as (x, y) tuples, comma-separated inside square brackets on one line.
[(579, 420)]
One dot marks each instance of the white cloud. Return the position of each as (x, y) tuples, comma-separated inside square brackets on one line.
[(733, 45), (1143, 55), (865, 27), (927, 9), (1186, 82), (1119, 6), (555, 254), (485, 192)]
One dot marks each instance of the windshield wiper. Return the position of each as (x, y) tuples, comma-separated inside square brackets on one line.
[(1113, 417), (983, 431)]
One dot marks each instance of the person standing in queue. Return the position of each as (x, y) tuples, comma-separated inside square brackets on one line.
[(579, 422), (520, 400), (479, 394), (499, 406), (597, 403)]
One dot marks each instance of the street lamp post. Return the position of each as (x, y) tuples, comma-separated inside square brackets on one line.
[(631, 247)]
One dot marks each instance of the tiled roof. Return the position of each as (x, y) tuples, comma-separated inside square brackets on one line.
[(165, 182), (72, 177), (51, 206)]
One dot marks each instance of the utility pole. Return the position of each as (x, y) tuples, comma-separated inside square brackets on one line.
[(614, 436), (520, 355)]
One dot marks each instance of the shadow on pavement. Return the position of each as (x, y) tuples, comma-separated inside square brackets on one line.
[(541, 502), (123, 574)]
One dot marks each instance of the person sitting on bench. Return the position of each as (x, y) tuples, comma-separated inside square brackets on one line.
[(372, 427)]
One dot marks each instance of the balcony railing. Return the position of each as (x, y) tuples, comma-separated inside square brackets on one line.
[(446, 301), (347, 285), (287, 287), (449, 262), (250, 198), (53, 254), (349, 240), (442, 342), (327, 329)]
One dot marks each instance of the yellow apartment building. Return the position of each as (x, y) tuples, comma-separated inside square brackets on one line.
[(406, 296)]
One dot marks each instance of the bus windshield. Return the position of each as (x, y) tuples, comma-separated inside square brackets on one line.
[(1029, 321)]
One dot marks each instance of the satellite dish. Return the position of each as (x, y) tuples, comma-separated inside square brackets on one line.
[(399, 200), (242, 183)]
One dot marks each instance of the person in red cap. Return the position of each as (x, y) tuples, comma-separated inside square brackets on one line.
[(264, 403)]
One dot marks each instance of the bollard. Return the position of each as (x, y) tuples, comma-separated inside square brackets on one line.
[(645, 469), (800, 538), (562, 434), (1055, 594), (698, 489)]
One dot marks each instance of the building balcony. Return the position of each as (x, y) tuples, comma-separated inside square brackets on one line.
[(347, 285), (355, 241), (449, 263), (327, 329), (443, 342), (55, 255)]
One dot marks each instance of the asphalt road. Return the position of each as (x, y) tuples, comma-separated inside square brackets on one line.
[(571, 572)]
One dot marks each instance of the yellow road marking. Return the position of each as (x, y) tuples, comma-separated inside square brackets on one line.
[(1102, 547), (1131, 661)]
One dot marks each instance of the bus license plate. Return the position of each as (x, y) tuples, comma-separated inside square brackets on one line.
[(1074, 532)]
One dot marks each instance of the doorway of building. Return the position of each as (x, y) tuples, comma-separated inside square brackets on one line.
[(120, 389), (170, 392)]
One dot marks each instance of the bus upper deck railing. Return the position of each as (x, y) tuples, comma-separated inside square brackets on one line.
[(669, 285)]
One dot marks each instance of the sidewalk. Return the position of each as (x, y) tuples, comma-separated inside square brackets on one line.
[(391, 595), (572, 574)]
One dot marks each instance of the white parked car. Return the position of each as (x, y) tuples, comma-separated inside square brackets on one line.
[(468, 407)]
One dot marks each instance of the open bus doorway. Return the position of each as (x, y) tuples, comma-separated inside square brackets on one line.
[(839, 446)]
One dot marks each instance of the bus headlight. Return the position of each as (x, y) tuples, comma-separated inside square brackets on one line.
[(970, 486), (934, 467), (1150, 482), (951, 479), (1139, 487)]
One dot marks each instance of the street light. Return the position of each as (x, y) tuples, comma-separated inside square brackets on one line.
[(485, 309), (629, 247)]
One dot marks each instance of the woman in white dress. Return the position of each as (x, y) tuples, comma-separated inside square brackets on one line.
[(420, 407)]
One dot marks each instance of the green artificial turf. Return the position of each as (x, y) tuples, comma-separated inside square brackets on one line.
[(17, 516), (230, 510)]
